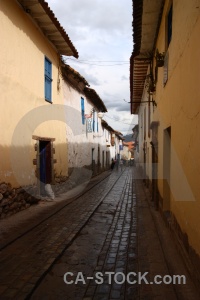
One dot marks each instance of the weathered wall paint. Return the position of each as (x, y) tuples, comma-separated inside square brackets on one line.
[(22, 89), (179, 107), (80, 142)]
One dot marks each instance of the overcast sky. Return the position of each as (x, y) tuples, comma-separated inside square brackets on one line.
[(101, 31)]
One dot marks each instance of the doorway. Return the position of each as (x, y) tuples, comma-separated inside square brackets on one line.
[(93, 162), (144, 159), (45, 169), (155, 175), (98, 160), (103, 160), (154, 158), (166, 168)]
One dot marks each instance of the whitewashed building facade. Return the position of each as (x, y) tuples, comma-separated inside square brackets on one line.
[(92, 143)]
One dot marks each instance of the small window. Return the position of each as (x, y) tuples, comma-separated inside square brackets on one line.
[(83, 110), (165, 70), (169, 26), (94, 116), (48, 79)]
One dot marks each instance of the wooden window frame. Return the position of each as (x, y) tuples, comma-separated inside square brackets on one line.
[(48, 80)]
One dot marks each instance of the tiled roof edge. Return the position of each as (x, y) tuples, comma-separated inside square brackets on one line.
[(51, 15)]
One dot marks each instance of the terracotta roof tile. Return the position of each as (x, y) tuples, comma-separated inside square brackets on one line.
[(67, 71), (95, 99), (143, 48), (52, 16), (40, 11)]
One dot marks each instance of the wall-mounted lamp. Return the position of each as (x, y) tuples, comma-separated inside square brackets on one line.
[(100, 115), (160, 57)]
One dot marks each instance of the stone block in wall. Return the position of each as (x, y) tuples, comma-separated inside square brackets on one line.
[(14, 205), (20, 197), (6, 209), (63, 178), (31, 200), (5, 202), (14, 200), (19, 190), (57, 179), (3, 187)]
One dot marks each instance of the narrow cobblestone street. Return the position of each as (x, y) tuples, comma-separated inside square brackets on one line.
[(99, 150), (110, 228)]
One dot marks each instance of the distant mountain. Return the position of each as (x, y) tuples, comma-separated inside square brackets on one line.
[(128, 138)]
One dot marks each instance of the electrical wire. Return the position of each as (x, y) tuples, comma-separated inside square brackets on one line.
[(121, 121), (92, 63), (122, 61)]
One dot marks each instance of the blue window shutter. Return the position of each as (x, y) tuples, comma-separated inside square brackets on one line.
[(97, 124), (48, 68), (94, 121), (83, 110), (48, 79), (47, 89)]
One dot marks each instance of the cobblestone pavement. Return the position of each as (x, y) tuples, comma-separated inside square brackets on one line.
[(112, 228), (158, 254), (17, 225), (23, 262)]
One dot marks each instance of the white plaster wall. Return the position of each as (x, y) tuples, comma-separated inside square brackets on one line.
[(143, 127), (81, 143)]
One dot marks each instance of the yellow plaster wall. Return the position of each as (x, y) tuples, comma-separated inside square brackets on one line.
[(22, 55), (179, 107)]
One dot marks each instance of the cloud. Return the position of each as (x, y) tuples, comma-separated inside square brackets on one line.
[(89, 15), (93, 80), (124, 77), (101, 31), (115, 104), (123, 122), (117, 107), (123, 107)]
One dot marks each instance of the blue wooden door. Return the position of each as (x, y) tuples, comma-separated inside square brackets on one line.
[(45, 164)]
